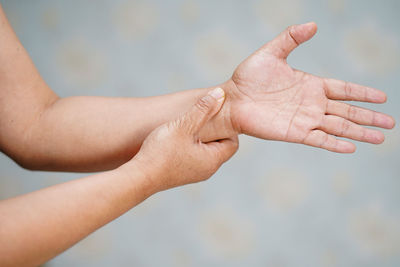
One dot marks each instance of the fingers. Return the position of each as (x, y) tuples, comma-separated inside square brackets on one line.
[(289, 39), (341, 90), (359, 115), (318, 138), (204, 110), (341, 127), (223, 149)]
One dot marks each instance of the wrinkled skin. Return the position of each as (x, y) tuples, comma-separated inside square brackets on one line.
[(271, 100), (173, 155)]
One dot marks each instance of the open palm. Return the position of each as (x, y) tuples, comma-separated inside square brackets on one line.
[(271, 100)]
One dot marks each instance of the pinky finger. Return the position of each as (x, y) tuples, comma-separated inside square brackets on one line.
[(318, 138)]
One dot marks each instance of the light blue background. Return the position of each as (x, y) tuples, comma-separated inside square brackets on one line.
[(273, 204)]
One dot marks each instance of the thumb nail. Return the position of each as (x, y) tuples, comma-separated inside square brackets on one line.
[(218, 94), (309, 23)]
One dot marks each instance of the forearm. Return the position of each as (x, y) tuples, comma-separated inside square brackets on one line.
[(99, 133), (37, 226), (43, 132)]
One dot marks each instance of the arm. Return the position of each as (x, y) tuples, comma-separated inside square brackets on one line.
[(88, 133), (265, 98), (37, 226), (39, 130)]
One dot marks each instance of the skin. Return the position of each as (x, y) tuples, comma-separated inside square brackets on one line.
[(276, 102), (37, 226), (41, 131), (265, 98)]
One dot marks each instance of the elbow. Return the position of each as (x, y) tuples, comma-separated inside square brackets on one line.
[(24, 160), (21, 141), (26, 164), (18, 150)]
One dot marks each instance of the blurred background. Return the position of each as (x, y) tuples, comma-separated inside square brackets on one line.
[(274, 204)]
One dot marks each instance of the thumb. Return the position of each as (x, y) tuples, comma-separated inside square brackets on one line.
[(289, 39), (205, 108)]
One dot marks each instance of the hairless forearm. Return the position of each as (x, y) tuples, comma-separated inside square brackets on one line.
[(41, 131), (37, 226), (100, 133)]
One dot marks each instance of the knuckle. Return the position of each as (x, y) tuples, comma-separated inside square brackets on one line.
[(347, 90), (209, 171), (373, 118), (183, 124), (352, 112), (175, 125), (324, 141), (165, 131), (215, 167), (204, 104), (182, 121), (344, 127), (363, 134), (218, 159), (291, 32), (236, 146), (335, 144)]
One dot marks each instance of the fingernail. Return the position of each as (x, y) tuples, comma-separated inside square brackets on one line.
[(218, 94)]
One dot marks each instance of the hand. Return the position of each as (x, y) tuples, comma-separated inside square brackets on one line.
[(173, 155), (271, 100)]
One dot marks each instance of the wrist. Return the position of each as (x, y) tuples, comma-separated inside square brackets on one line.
[(230, 113), (141, 177), (222, 125)]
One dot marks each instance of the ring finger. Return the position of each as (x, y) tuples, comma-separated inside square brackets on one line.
[(344, 128), (359, 115)]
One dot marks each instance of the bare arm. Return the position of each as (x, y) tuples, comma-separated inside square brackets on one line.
[(37, 226), (265, 98), (39, 130), (87, 133)]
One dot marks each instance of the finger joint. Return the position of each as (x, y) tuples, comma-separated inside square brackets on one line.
[(347, 90)]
